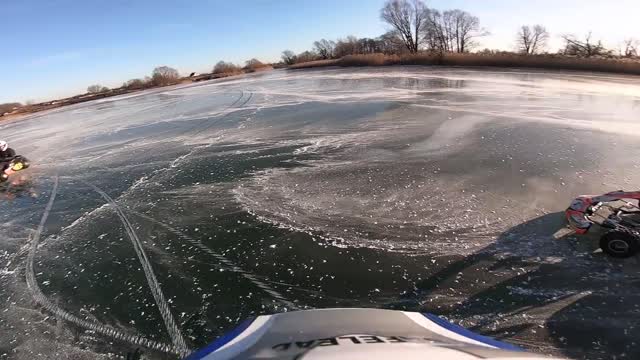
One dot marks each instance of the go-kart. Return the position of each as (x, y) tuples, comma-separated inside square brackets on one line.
[(18, 163), (617, 212)]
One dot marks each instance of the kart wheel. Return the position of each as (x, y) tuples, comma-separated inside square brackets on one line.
[(620, 243)]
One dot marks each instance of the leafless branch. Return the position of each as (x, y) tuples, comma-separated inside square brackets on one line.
[(406, 17), (531, 40)]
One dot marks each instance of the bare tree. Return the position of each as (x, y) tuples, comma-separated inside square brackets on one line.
[(226, 68), (324, 48), (369, 46), (464, 28), (406, 17), (531, 40), (585, 48), (348, 46), (306, 56), (255, 65), (288, 57), (451, 31), (390, 43), (134, 84), (524, 39), (164, 75), (631, 47), (95, 89), (436, 31)]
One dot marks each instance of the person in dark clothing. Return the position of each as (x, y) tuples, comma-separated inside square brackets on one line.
[(6, 155)]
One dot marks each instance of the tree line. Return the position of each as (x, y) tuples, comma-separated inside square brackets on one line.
[(229, 68), (9, 107), (160, 76), (414, 27), (165, 75)]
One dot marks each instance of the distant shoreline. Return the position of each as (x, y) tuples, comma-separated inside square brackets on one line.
[(77, 99), (548, 62), (507, 60)]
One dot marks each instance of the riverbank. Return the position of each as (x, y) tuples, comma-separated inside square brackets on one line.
[(502, 60), (58, 103), (553, 62)]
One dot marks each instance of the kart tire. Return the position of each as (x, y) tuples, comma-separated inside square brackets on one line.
[(620, 243)]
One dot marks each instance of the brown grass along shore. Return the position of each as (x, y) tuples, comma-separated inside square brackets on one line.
[(554, 62)]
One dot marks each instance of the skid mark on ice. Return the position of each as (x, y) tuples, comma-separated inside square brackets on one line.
[(301, 215), (176, 162), (228, 263), (206, 119), (615, 127), (158, 295), (232, 107), (41, 299), (135, 185)]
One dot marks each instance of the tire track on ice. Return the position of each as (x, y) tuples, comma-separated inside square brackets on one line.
[(233, 106), (163, 306), (177, 161), (207, 119), (41, 299), (223, 259)]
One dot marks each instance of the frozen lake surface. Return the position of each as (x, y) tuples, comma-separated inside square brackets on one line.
[(181, 211)]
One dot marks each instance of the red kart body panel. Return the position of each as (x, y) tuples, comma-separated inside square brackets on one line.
[(575, 214)]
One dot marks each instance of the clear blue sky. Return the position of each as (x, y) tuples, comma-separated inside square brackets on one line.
[(55, 48)]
